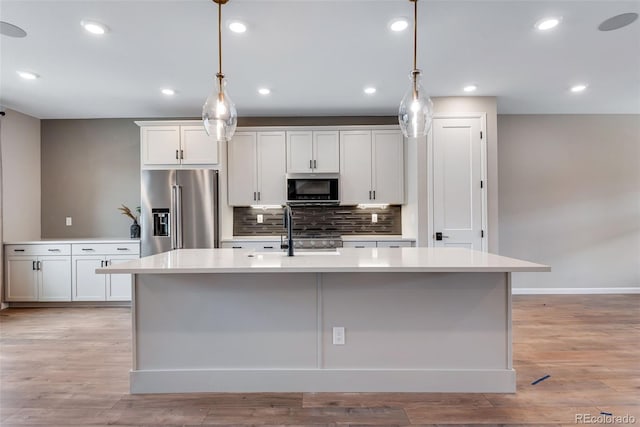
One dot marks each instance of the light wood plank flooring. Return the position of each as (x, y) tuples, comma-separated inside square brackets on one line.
[(69, 367)]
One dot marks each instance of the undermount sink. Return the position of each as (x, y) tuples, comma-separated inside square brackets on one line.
[(296, 253)]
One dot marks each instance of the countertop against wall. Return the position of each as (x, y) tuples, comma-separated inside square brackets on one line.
[(71, 241)]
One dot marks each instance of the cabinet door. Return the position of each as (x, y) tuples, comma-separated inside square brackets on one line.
[(22, 278), (198, 147), (54, 278), (388, 167), (326, 152), (299, 151), (119, 285), (242, 169), (87, 285), (272, 168), (355, 167), (160, 145)]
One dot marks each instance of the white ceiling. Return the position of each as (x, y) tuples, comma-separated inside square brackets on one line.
[(316, 56)]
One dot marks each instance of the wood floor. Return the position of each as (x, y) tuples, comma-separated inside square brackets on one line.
[(69, 367)]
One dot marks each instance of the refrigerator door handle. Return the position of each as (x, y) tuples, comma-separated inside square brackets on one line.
[(173, 230), (179, 241)]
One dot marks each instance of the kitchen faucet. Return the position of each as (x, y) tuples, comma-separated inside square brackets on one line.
[(287, 222)]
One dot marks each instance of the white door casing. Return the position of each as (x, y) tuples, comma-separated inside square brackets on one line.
[(458, 181)]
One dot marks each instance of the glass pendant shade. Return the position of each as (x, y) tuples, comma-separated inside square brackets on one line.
[(416, 109), (219, 113)]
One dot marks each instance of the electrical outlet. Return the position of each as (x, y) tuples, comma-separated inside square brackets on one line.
[(338, 335), (374, 217), (68, 221), (260, 218)]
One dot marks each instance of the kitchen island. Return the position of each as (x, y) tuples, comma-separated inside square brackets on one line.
[(414, 319)]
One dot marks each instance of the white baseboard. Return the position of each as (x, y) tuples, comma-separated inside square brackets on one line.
[(575, 291), (323, 380)]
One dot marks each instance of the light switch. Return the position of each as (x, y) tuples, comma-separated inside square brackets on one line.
[(68, 221)]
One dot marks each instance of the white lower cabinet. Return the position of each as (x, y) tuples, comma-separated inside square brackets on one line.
[(32, 274), (89, 286)]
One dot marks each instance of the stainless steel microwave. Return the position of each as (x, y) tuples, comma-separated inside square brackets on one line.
[(312, 190)]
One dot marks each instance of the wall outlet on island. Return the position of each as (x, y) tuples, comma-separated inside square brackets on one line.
[(260, 218), (374, 217), (68, 221), (338, 335)]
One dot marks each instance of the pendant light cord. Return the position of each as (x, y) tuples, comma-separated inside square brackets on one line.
[(415, 34), (220, 75)]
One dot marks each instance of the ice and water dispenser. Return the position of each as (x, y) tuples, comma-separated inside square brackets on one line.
[(160, 221)]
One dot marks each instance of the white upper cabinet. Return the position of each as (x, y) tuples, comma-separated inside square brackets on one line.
[(257, 168), (176, 145), (313, 152), (371, 167)]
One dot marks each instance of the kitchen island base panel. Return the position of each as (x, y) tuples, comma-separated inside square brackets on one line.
[(248, 332), (323, 380)]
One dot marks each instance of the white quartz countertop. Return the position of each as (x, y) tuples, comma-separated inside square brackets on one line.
[(344, 260), (71, 241)]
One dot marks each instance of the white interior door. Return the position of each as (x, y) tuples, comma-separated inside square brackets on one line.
[(458, 183)]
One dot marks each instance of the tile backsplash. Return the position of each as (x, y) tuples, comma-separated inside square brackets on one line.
[(318, 219)]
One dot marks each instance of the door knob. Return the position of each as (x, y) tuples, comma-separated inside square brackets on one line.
[(439, 236)]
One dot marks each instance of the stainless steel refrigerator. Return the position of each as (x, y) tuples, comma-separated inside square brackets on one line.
[(179, 210)]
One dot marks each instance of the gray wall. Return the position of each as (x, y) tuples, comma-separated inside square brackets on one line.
[(570, 197), (89, 168)]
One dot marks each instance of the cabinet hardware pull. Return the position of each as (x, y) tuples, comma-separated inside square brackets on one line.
[(182, 154), (360, 247), (369, 194), (258, 196), (53, 250), (177, 155), (315, 164), (87, 249), (123, 249), (18, 250), (236, 247), (394, 246), (374, 194), (310, 164), (101, 263), (33, 266), (268, 247), (38, 265), (254, 195)]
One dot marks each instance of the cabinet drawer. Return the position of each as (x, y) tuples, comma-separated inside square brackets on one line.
[(105, 248), (359, 244), (38, 249), (257, 246), (394, 244)]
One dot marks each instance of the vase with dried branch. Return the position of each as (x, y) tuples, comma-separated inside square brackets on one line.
[(135, 227)]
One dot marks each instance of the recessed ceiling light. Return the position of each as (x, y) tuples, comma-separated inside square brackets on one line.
[(28, 75), (548, 23), (94, 27), (168, 92), (399, 24), (237, 27), (264, 91), (370, 90), (470, 88), (578, 88)]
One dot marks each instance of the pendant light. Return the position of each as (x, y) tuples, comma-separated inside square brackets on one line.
[(219, 114), (416, 109)]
